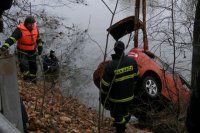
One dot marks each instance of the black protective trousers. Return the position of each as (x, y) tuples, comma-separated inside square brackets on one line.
[(120, 112), (27, 62)]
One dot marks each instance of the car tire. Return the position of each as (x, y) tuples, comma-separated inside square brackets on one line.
[(151, 87), (148, 103)]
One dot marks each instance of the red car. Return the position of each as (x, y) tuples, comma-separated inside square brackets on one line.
[(158, 83), (157, 78)]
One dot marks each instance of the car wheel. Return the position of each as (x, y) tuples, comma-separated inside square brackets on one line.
[(151, 87)]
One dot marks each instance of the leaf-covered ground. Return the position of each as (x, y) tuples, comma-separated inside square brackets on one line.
[(50, 112)]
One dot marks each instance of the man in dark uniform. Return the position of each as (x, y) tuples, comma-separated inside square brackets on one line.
[(118, 83), (51, 67), (50, 63), (29, 45)]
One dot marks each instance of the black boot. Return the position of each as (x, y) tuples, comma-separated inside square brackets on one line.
[(26, 77), (120, 129), (33, 79)]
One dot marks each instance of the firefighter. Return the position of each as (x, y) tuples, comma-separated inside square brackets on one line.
[(118, 83), (50, 63), (5, 5), (29, 45), (51, 67)]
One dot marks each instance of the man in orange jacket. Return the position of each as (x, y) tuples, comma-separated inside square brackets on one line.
[(29, 45)]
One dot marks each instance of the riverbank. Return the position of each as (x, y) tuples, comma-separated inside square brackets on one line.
[(50, 112)]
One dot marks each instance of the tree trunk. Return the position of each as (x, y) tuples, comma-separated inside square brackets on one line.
[(193, 112)]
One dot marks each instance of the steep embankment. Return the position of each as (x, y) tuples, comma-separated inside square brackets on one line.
[(50, 112)]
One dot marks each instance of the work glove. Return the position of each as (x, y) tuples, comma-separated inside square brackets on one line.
[(40, 49), (3, 50)]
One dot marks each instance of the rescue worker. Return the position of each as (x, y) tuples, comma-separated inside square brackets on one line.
[(5, 5), (50, 63), (118, 83), (29, 45), (51, 67)]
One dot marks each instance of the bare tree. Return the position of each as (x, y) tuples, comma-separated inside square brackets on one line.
[(193, 121), (65, 38), (161, 34)]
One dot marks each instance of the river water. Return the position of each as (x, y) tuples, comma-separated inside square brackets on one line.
[(96, 17)]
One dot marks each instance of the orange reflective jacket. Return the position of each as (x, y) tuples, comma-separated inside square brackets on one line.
[(28, 40)]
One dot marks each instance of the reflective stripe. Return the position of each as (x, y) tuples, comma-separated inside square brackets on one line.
[(125, 77), (26, 73), (40, 44), (123, 70), (102, 89), (13, 39), (121, 122), (128, 115), (104, 82), (7, 45), (121, 100), (32, 75), (22, 52)]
